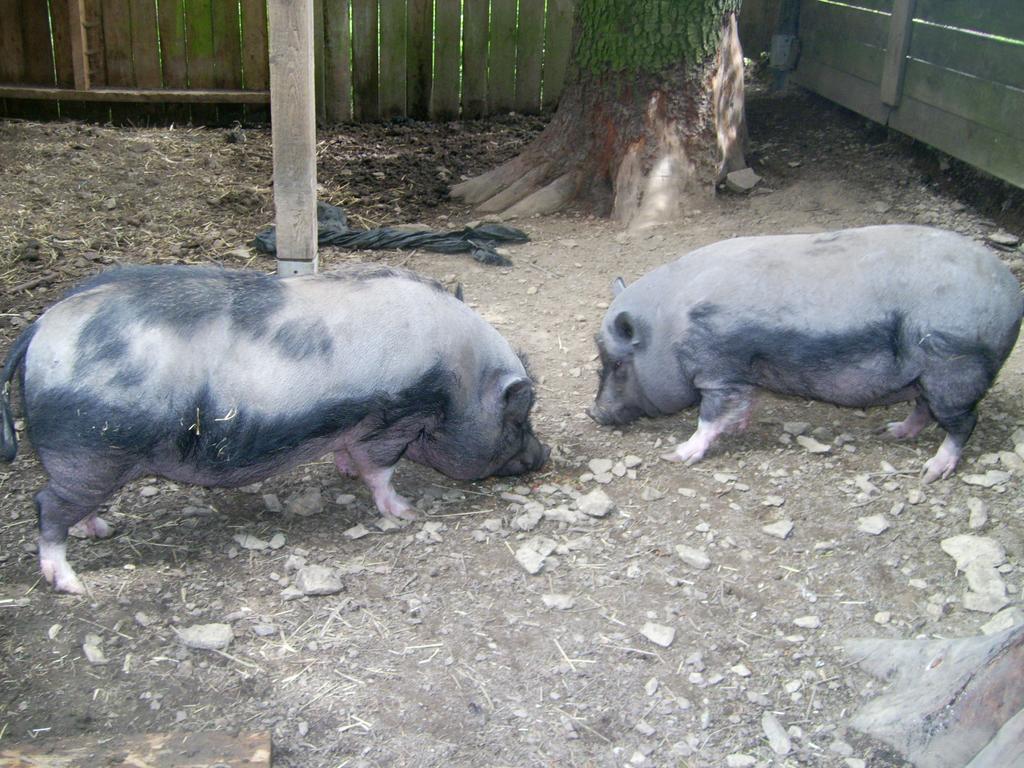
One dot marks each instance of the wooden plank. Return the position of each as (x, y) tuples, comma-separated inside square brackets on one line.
[(852, 92), (393, 62), (419, 56), (94, 43), (364, 60), (896, 51), (983, 57), (294, 126), (841, 53), (199, 48), (145, 46), (501, 61), (173, 55), (255, 65), (117, 42), (319, 62), (136, 95), (474, 58), (529, 55), (557, 46), (63, 56), (981, 101), (992, 151), (337, 62), (154, 750), (36, 43), (1004, 18), (12, 61), (845, 23), (227, 55), (444, 97)]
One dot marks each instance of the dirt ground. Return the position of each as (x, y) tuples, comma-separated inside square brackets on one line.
[(441, 650)]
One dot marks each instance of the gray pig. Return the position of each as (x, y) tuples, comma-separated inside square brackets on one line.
[(222, 378), (857, 317)]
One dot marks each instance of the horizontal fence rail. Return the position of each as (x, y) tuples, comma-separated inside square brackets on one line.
[(207, 60), (949, 73)]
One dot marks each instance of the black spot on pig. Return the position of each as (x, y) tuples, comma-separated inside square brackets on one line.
[(300, 339), (100, 342)]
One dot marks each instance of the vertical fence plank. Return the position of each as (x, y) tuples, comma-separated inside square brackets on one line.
[(255, 55), (501, 63), (146, 55), (35, 30), (202, 67), (529, 55), (319, 62), (419, 58), (173, 54), (474, 58), (63, 56), (337, 62), (393, 58), (557, 46), (12, 64), (364, 59), (227, 55), (444, 97), (117, 53)]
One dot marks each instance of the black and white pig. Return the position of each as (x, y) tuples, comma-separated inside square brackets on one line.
[(222, 378), (857, 317)]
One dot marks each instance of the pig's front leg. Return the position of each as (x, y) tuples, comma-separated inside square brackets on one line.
[(911, 426), (378, 479), (721, 412), (92, 527)]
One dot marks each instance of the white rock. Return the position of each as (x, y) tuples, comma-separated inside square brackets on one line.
[(344, 499), (317, 580), (1005, 619), (527, 521), (915, 496), (882, 617), (305, 503), (780, 529), (632, 461), (248, 541), (619, 469), (558, 601), (807, 622), (978, 513), (872, 524), (651, 494), (740, 670), (693, 557), (778, 739), (688, 493), (600, 466), (990, 479), (386, 523), (658, 634), (651, 686), (811, 445), (1003, 238), (530, 559), (985, 579), (356, 532), (277, 540), (983, 603), (795, 427), (206, 637), (92, 650), (595, 504), (739, 760), (741, 181), (562, 514), (855, 762), (773, 501), (966, 549)]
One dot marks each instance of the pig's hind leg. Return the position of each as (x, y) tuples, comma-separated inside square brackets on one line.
[(952, 391), (56, 516), (722, 411), (911, 426)]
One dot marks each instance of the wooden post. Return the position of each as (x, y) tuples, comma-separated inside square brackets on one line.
[(293, 125), (896, 51), (79, 45)]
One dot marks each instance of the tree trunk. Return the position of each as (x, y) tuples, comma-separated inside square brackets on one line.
[(651, 116)]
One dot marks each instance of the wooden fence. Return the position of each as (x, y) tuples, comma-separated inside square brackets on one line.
[(375, 59), (947, 72)]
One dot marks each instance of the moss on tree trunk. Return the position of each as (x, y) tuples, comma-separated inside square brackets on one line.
[(652, 115)]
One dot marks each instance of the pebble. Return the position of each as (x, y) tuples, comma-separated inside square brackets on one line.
[(807, 622), (305, 503), (651, 686), (795, 427), (651, 494), (1003, 238), (558, 601), (778, 739), (983, 603), (248, 541), (882, 617), (990, 479), (773, 501), (740, 670), (386, 523), (143, 620), (739, 760), (344, 499), (619, 469), (264, 630), (92, 650), (811, 445), (855, 762), (841, 748), (780, 529), (317, 580), (272, 503), (985, 579), (632, 461), (977, 513), (695, 558), (595, 504), (277, 540), (206, 637), (600, 466), (967, 548), (530, 559), (658, 634), (356, 532), (872, 524), (1005, 619), (527, 521), (915, 496), (148, 490), (741, 181), (687, 493)]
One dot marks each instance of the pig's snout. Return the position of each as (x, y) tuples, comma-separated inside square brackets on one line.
[(613, 417), (532, 457)]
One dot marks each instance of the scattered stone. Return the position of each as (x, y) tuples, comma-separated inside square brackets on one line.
[(148, 490), (977, 513), (741, 181), (595, 504), (855, 762), (811, 445), (528, 520), (619, 469), (841, 748), (206, 637), (559, 602), (344, 499), (305, 503), (1005, 619), (92, 650), (143, 619), (644, 728), (386, 523), (695, 558), (882, 617), (317, 580), (807, 622), (562, 514), (687, 493), (966, 549), (430, 533), (795, 428), (780, 529), (872, 524), (658, 634), (531, 560), (985, 579), (356, 532), (740, 670), (277, 540), (880, 206), (632, 462), (778, 739), (272, 503), (264, 630), (248, 541), (990, 479), (739, 760), (651, 494), (651, 686), (1003, 239), (983, 603), (773, 501), (600, 466), (915, 496), (918, 583)]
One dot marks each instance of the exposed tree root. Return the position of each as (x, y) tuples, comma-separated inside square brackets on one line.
[(638, 147), (952, 703)]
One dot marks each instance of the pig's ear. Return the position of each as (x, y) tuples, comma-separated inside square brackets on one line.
[(457, 293), (618, 286), (625, 328), (517, 396)]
